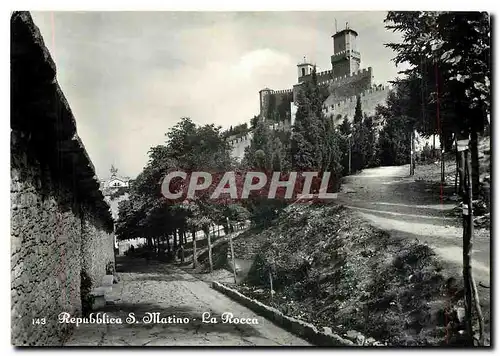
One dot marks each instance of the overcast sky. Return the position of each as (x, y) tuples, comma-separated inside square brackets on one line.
[(130, 76)]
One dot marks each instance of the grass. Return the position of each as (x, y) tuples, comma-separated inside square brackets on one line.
[(332, 269)]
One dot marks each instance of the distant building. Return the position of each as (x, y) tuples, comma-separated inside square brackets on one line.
[(115, 190), (115, 181)]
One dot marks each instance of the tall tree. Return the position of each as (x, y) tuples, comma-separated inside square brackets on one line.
[(358, 139), (451, 52), (457, 46)]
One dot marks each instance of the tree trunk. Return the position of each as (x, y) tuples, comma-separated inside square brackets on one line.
[(194, 248), (175, 242), (472, 287), (466, 249), (168, 243), (441, 138), (458, 176), (209, 250)]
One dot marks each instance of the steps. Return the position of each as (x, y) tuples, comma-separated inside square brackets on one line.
[(102, 294)]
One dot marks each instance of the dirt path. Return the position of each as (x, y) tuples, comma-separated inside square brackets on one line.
[(395, 202), (170, 291), (391, 200)]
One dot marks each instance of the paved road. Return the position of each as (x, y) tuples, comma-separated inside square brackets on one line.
[(395, 202), (172, 292)]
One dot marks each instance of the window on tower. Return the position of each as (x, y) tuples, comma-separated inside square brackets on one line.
[(303, 71)]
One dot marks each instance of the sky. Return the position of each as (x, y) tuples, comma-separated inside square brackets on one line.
[(130, 76)]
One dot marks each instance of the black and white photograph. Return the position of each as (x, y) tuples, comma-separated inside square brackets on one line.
[(250, 178)]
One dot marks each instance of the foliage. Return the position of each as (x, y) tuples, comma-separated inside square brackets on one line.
[(238, 130), (450, 69), (148, 214), (330, 268), (393, 145), (314, 141)]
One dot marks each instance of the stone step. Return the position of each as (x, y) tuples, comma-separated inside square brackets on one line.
[(107, 280), (101, 291)]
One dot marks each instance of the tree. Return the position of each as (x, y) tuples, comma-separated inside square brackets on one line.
[(393, 146), (259, 153), (253, 122), (457, 46), (345, 144), (312, 145), (188, 148), (369, 143), (266, 153), (452, 51), (358, 139)]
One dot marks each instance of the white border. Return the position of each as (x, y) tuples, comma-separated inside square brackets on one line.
[(185, 5)]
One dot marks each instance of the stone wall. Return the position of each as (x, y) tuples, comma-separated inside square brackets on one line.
[(347, 85), (60, 224), (369, 100), (238, 145), (97, 247), (350, 85), (275, 102)]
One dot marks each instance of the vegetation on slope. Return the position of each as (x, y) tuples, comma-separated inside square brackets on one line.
[(333, 269)]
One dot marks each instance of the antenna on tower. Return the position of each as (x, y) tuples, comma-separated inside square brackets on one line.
[(347, 25), (336, 30)]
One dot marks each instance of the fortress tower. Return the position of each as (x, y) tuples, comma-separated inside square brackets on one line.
[(346, 80), (305, 69), (346, 57)]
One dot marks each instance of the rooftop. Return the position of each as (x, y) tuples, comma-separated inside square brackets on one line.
[(344, 32)]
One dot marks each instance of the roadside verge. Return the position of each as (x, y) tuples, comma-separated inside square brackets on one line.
[(298, 327)]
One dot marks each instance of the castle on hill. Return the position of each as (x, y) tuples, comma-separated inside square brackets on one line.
[(345, 82)]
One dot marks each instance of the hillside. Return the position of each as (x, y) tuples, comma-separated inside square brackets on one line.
[(333, 269)]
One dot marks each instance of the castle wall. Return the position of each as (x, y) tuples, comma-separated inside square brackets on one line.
[(324, 77), (60, 224), (238, 145), (276, 101), (283, 98), (264, 96), (369, 100), (349, 85)]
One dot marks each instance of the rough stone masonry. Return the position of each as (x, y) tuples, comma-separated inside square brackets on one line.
[(60, 225)]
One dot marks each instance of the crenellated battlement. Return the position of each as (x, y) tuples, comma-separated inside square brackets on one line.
[(326, 72), (284, 91), (351, 77), (235, 138), (281, 126), (374, 89), (370, 99)]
